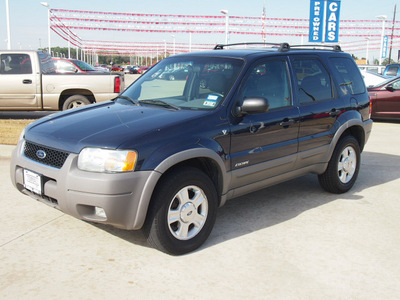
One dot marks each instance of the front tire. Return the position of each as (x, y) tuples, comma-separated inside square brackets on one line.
[(182, 212), (343, 167)]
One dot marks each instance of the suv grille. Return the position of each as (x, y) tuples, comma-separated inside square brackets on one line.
[(54, 158)]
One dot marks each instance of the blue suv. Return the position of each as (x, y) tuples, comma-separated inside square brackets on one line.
[(165, 154)]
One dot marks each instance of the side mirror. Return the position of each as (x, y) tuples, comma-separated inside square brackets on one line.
[(256, 105), (390, 88)]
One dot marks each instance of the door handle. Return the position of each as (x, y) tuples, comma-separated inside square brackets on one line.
[(334, 112), (286, 122), (27, 81)]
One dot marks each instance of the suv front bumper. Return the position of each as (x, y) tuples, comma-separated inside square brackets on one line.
[(118, 199)]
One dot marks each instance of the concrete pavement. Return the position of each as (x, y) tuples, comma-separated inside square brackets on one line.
[(290, 241), (6, 151)]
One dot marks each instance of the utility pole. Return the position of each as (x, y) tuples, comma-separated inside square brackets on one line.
[(391, 37)]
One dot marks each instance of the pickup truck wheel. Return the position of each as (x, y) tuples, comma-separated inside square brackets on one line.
[(343, 167), (182, 212), (75, 101)]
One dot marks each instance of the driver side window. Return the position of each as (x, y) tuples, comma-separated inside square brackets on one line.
[(269, 80)]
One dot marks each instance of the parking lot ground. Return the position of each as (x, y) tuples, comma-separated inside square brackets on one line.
[(290, 241)]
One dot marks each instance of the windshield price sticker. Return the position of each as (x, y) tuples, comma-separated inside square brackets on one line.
[(33, 182), (211, 100)]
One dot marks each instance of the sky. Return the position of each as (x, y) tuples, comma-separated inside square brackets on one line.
[(28, 18)]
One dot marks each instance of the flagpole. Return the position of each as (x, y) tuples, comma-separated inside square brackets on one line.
[(264, 37), (391, 37)]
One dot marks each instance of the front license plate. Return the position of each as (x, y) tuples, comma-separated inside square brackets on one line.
[(33, 182)]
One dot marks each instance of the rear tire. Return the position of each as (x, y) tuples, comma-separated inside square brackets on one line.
[(182, 212), (343, 168), (75, 101)]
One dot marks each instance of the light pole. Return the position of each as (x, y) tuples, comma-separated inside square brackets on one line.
[(173, 36), (226, 13), (190, 39), (383, 18), (8, 26), (366, 56), (49, 23)]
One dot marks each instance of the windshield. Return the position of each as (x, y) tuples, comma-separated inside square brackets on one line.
[(186, 82), (382, 83), (84, 66)]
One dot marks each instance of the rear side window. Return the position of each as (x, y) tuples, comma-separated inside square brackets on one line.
[(313, 80), (392, 71), (15, 64), (351, 81)]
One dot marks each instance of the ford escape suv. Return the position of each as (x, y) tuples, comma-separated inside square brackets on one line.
[(165, 154)]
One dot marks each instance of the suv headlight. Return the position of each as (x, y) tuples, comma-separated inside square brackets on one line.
[(105, 160)]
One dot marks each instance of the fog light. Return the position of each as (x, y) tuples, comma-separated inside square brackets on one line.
[(98, 211)]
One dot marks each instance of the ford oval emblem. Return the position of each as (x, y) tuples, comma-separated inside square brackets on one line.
[(41, 154)]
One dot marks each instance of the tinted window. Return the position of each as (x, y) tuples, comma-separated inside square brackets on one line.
[(351, 81), (392, 71), (46, 63), (15, 64), (313, 80), (84, 66), (269, 80)]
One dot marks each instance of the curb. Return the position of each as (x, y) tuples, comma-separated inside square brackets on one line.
[(6, 150)]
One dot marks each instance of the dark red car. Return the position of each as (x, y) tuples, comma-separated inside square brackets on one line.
[(116, 68), (385, 99), (66, 65)]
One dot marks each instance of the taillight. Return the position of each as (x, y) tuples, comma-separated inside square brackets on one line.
[(370, 106), (117, 85)]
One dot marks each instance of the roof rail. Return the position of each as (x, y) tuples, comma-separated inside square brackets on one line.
[(280, 46), (336, 48)]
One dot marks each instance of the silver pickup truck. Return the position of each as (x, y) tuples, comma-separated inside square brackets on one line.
[(29, 82)]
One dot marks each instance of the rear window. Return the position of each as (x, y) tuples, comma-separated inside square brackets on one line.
[(46, 63), (351, 81), (392, 71)]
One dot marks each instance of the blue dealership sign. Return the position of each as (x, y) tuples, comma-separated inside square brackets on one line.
[(385, 46), (332, 21), (316, 30)]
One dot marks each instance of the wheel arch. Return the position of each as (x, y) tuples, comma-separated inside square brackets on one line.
[(203, 159), (72, 92), (352, 126)]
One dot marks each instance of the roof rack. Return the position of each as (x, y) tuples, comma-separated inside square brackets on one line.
[(282, 47), (336, 48)]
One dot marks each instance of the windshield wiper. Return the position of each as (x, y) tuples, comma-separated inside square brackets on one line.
[(160, 103), (135, 102)]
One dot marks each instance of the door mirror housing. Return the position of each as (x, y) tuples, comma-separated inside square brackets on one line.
[(253, 105), (390, 88)]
